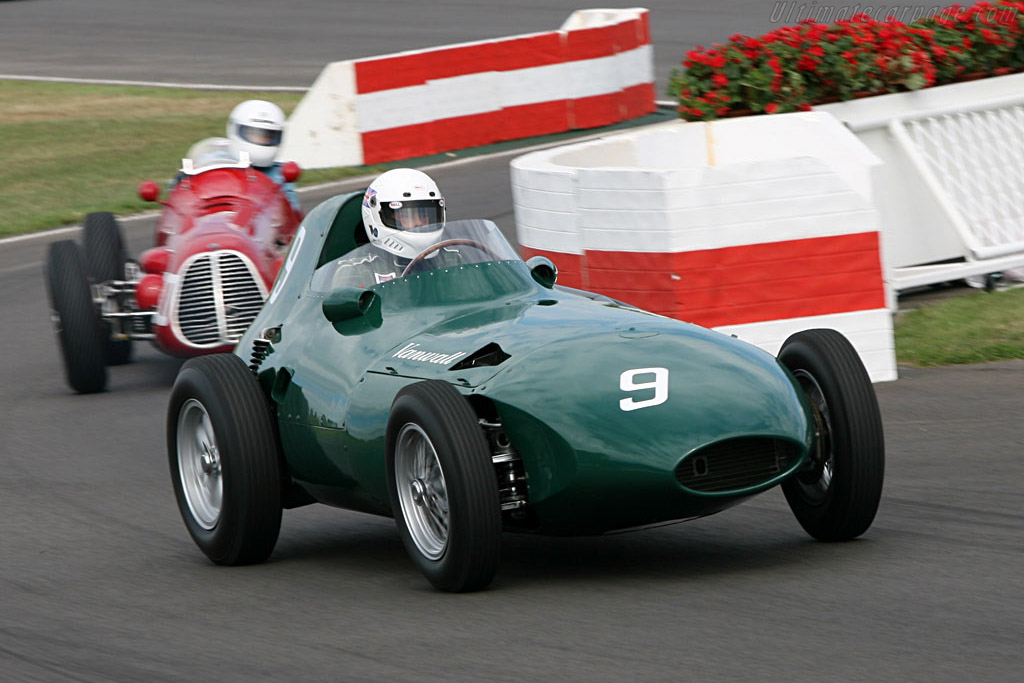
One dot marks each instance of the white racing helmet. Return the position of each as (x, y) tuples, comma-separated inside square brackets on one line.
[(403, 212), (256, 126)]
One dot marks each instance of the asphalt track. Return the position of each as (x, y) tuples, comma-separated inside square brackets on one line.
[(100, 582)]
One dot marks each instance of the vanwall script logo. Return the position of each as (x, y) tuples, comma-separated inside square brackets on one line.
[(410, 352)]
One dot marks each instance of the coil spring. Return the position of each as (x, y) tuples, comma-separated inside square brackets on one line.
[(260, 347)]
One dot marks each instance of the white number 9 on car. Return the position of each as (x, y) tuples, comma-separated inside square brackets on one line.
[(659, 383)]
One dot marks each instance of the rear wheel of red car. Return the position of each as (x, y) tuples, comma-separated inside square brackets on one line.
[(79, 329), (835, 498), (442, 485), (225, 467), (105, 261)]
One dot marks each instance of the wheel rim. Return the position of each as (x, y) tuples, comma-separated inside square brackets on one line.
[(199, 464), (816, 481), (422, 491)]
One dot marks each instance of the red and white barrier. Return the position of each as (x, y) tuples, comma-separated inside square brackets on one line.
[(597, 69), (757, 227)]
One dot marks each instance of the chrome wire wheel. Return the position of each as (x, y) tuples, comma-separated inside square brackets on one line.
[(816, 481), (199, 464), (422, 491)]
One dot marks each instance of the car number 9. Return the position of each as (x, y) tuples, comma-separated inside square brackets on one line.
[(659, 383)]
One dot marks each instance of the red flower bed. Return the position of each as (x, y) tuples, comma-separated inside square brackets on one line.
[(793, 67)]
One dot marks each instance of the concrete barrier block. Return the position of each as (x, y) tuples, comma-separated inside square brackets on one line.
[(870, 332), (628, 199), (777, 235), (743, 211), (768, 189), (478, 92), (466, 95), (388, 109), (323, 130), (544, 176), (567, 242), (542, 199), (793, 228)]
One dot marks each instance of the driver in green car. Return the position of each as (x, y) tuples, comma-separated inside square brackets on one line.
[(403, 215)]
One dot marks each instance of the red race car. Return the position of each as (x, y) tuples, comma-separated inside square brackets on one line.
[(220, 241)]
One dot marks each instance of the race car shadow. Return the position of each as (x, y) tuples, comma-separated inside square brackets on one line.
[(762, 539), (671, 553)]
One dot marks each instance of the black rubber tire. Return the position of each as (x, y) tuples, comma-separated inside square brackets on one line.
[(853, 440), (470, 558), (79, 328), (105, 259), (249, 520)]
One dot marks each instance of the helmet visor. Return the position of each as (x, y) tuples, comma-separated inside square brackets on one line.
[(421, 215), (259, 136)]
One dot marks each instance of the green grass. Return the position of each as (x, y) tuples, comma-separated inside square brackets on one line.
[(68, 149), (977, 327)]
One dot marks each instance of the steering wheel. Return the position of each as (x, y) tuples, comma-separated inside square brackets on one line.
[(448, 243)]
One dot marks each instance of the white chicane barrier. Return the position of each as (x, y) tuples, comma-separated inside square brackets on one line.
[(950, 195), (758, 227), (595, 70)]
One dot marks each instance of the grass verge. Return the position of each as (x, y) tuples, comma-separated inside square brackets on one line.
[(69, 149), (977, 327)]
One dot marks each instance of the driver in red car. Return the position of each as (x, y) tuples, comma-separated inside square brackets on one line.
[(403, 214), (256, 127)]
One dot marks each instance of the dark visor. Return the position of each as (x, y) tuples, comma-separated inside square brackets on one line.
[(260, 136), (421, 215)]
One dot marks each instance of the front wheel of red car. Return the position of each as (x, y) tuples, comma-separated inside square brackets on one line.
[(836, 497), (443, 488), (79, 329), (105, 261), (224, 462)]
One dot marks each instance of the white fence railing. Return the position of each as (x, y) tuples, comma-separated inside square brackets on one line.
[(951, 198)]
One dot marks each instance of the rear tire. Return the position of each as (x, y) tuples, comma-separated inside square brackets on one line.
[(79, 328), (837, 496), (443, 488), (225, 467), (105, 259)]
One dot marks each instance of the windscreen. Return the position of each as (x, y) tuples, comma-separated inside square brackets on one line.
[(461, 243), (210, 153)]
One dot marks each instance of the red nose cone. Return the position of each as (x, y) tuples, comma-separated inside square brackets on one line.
[(147, 292), (155, 260), (149, 191), (290, 171)]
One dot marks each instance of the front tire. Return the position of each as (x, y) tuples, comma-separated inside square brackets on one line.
[(79, 328), (105, 259), (225, 467), (443, 488), (837, 496)]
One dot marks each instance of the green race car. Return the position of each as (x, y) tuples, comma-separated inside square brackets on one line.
[(469, 395)]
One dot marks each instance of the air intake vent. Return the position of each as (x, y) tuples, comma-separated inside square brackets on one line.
[(221, 292), (736, 464), (488, 355)]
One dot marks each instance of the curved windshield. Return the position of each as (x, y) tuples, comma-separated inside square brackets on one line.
[(460, 243), (210, 153)]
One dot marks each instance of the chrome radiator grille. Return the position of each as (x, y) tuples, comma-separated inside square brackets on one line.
[(220, 294), (736, 464)]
